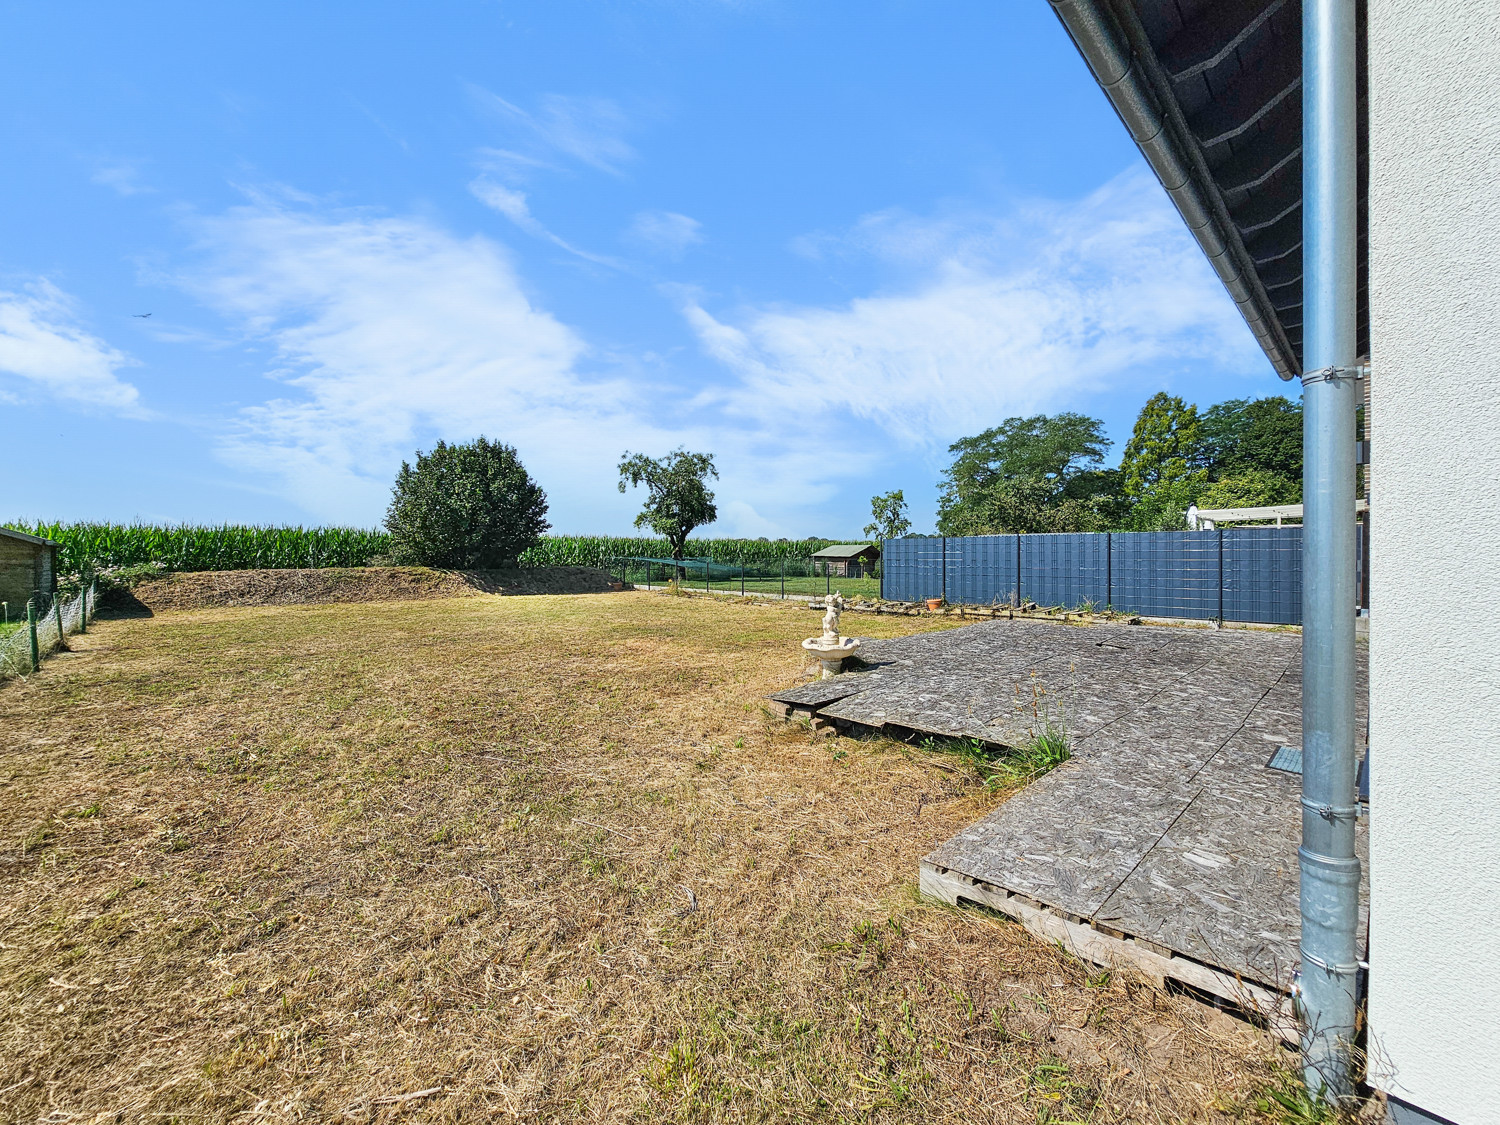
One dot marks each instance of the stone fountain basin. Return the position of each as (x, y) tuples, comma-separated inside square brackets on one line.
[(819, 647)]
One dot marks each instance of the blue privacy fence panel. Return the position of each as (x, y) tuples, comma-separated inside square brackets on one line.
[(1066, 570), (912, 569), (1166, 573), (1263, 575), (981, 569), (1237, 574)]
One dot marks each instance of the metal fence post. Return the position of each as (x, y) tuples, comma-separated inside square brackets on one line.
[(1019, 598), (83, 609), (742, 576), (36, 652), (1220, 618), (57, 616), (783, 578), (706, 576), (945, 568), (827, 579), (884, 550), (1109, 569)]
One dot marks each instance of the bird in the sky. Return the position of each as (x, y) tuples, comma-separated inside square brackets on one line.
[(143, 316)]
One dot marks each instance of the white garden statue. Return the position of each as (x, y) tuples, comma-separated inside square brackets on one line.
[(835, 604), (831, 649)]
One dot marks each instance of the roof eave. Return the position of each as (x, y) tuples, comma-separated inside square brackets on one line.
[(11, 533), (1150, 114)]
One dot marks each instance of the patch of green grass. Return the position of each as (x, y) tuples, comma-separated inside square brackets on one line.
[(1005, 767), (1286, 1101)]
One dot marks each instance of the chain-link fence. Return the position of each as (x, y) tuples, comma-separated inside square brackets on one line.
[(32, 632), (775, 578)]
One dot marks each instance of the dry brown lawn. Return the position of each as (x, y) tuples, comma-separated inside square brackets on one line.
[(538, 858)]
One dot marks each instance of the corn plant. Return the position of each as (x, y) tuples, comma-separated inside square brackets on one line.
[(248, 547)]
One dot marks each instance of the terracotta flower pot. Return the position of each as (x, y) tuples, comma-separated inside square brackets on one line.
[(934, 604)]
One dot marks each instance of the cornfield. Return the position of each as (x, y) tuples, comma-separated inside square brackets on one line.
[(229, 547), (240, 547)]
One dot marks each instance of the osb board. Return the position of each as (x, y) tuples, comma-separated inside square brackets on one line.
[(1166, 825), (1070, 838), (995, 680), (1221, 884)]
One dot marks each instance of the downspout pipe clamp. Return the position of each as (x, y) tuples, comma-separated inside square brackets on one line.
[(1335, 374)]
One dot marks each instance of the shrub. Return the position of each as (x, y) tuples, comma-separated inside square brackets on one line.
[(465, 507), (1253, 488)]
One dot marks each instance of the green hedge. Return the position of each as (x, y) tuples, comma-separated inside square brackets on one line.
[(239, 547)]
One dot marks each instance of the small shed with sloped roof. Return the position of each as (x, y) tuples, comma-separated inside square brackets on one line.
[(28, 566), (848, 560)]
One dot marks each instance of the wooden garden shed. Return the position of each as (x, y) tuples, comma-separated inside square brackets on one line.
[(848, 560), (28, 565)]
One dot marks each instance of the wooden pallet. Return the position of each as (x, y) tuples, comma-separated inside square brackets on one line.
[(1270, 1007)]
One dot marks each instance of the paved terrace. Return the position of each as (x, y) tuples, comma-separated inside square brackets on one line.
[(1166, 841)]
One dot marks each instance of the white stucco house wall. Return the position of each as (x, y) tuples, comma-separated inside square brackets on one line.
[(1434, 230)]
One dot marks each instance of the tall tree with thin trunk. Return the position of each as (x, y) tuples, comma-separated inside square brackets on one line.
[(889, 513), (677, 495)]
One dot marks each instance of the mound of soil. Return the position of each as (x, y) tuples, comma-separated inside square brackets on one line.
[(209, 589)]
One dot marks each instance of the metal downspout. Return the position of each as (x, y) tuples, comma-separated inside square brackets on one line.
[(1331, 392)]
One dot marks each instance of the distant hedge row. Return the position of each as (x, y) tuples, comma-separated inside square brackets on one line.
[(241, 547)]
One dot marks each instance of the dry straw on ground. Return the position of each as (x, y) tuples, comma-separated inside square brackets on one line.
[(535, 858)]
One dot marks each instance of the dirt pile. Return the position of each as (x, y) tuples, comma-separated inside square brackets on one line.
[(211, 589)]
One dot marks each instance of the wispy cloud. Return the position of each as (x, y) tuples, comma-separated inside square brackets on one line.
[(43, 348), (511, 203), (388, 332), (664, 232), (1031, 310), (123, 176), (588, 130)]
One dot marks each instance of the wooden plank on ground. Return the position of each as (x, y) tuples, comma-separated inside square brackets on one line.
[(1269, 1006)]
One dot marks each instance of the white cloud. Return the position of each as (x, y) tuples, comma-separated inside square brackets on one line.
[(665, 232), (512, 204), (1028, 312), (391, 332), (123, 176), (43, 345), (588, 130)]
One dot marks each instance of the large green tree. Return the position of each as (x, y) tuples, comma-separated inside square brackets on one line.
[(677, 495), (467, 507), (889, 514), (1162, 464), (1164, 447), (1260, 435), (1042, 473)]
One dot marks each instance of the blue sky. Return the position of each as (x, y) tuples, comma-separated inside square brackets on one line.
[(821, 240)]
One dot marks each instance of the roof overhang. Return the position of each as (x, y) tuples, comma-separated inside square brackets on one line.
[(9, 533), (845, 550), (1211, 91)]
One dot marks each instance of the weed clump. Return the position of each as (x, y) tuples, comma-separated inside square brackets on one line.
[(1008, 767)]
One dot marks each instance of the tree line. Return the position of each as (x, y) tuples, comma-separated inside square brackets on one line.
[(1047, 473), (474, 505)]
